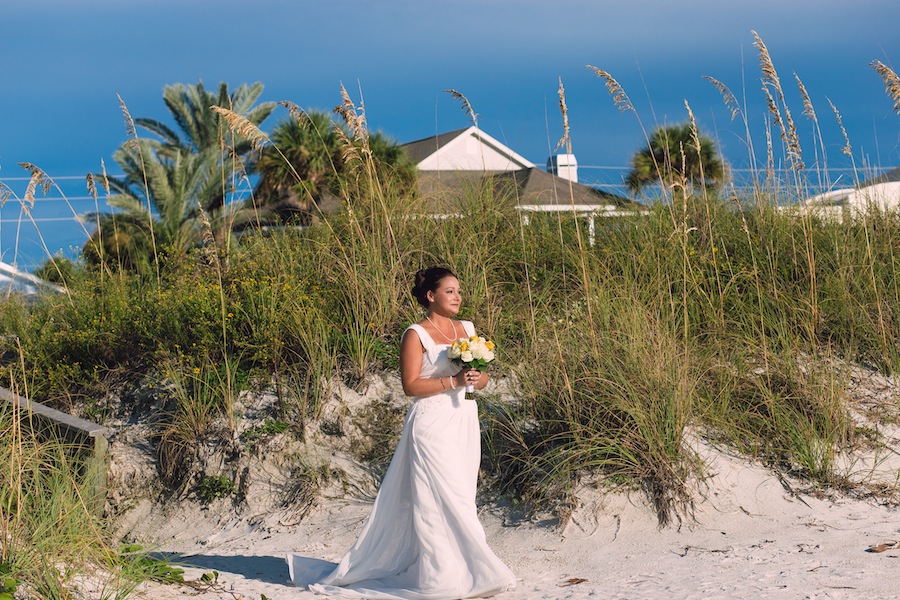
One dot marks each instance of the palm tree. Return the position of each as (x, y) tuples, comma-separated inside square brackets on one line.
[(305, 164), (672, 159), (199, 124), (169, 181), (164, 214), (299, 167)]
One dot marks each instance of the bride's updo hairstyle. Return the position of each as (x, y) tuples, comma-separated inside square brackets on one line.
[(427, 280)]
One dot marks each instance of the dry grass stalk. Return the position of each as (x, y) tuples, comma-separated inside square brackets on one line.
[(91, 186), (466, 105), (786, 124), (105, 177), (130, 131), (620, 98), (808, 110), (773, 108), (565, 141), (5, 193), (847, 149), (891, 82), (695, 135), (353, 117), (298, 114), (770, 75), (38, 178), (242, 126), (730, 101)]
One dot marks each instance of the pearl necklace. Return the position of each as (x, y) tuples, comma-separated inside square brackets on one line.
[(449, 339)]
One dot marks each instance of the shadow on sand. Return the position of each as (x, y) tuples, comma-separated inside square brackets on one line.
[(267, 569)]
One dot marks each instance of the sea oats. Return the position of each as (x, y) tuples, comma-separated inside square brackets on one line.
[(105, 177), (298, 114), (783, 118), (91, 186), (620, 98), (240, 125), (466, 105), (350, 152), (207, 235), (38, 178), (808, 110), (847, 149), (564, 141), (891, 82), (765, 63), (695, 134), (773, 108), (129, 122), (5, 193), (730, 101), (355, 119)]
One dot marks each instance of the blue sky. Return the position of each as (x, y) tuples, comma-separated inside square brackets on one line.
[(63, 63)]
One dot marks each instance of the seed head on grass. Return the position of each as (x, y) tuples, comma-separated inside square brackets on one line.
[(786, 124), (5, 193), (242, 126), (298, 114), (695, 134), (466, 105), (354, 117), (38, 178), (891, 82), (565, 141), (620, 98), (847, 149), (91, 185), (808, 110), (730, 101), (130, 129)]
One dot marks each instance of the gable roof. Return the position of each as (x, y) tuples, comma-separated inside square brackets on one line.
[(468, 149), (532, 188)]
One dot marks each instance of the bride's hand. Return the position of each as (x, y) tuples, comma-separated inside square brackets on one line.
[(467, 377)]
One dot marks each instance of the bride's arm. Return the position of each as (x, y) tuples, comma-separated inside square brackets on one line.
[(414, 384)]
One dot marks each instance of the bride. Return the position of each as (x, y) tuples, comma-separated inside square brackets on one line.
[(423, 540)]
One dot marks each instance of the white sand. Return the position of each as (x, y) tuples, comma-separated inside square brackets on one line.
[(753, 536), (752, 539)]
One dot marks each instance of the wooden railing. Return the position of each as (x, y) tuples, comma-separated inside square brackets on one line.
[(87, 435)]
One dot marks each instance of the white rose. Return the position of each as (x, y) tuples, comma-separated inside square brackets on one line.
[(453, 352), (488, 356), (466, 356), (478, 350)]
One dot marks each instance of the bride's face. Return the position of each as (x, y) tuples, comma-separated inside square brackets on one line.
[(446, 298)]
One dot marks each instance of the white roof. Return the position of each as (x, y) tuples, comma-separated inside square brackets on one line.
[(467, 149)]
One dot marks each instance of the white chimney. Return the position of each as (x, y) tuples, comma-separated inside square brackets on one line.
[(564, 165)]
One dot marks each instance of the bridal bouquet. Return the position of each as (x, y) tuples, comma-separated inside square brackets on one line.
[(474, 353)]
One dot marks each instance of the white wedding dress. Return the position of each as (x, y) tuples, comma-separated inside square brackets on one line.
[(423, 539)]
